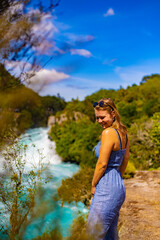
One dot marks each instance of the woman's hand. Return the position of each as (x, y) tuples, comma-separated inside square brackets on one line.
[(93, 190)]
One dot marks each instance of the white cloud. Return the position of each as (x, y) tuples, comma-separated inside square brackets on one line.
[(17, 67), (45, 77), (81, 52), (44, 32), (62, 26), (79, 38), (45, 27), (124, 76), (110, 12), (44, 47), (109, 62)]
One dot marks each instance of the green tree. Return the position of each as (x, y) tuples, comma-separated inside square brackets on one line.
[(7, 124), (52, 104), (77, 188), (18, 190), (127, 111), (6, 80), (24, 120), (144, 143), (155, 134), (76, 139)]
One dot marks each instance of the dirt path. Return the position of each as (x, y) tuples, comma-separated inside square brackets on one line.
[(140, 213)]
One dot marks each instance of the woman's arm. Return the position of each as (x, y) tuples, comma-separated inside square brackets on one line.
[(107, 143), (125, 160)]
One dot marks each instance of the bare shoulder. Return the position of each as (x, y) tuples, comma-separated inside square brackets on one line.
[(108, 137), (108, 132)]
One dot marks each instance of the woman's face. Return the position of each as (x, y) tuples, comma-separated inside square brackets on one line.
[(104, 118)]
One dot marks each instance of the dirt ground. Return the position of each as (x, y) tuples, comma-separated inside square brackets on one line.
[(140, 214)]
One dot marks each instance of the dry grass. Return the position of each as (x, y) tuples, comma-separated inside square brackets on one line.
[(140, 214)]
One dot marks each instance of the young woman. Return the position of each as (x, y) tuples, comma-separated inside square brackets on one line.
[(108, 189)]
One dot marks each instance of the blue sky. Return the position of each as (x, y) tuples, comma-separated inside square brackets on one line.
[(105, 44)]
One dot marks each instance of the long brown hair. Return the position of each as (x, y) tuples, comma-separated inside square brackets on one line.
[(110, 107)]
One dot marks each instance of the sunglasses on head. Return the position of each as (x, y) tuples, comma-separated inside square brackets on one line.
[(102, 104)]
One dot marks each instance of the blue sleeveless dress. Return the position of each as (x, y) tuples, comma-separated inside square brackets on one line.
[(108, 198)]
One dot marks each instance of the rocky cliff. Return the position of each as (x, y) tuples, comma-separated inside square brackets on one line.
[(73, 116)]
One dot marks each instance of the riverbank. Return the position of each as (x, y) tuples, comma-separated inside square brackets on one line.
[(140, 213)]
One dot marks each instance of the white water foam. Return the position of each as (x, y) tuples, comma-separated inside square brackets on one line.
[(43, 147)]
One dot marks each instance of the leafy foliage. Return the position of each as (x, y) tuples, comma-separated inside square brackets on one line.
[(77, 188), (144, 143), (52, 104), (78, 229), (75, 140), (6, 127), (50, 235), (6, 80), (155, 131), (24, 107), (18, 190), (130, 170)]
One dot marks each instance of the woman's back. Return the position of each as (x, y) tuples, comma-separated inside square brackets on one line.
[(117, 154)]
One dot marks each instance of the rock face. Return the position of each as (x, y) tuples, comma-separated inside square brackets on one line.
[(51, 121), (140, 213), (74, 116)]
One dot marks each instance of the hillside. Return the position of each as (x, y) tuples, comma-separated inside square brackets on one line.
[(22, 108)]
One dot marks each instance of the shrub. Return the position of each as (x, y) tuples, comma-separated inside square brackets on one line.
[(130, 170)]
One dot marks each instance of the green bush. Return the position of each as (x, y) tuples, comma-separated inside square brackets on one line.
[(145, 143), (75, 140), (78, 187), (130, 171), (24, 120)]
